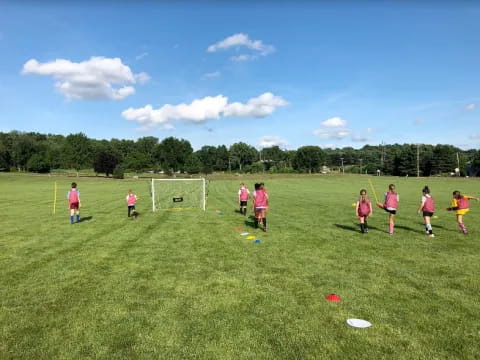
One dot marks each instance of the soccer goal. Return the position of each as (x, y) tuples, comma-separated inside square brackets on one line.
[(178, 194)]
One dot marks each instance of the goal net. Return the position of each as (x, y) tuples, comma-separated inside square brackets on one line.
[(178, 194)]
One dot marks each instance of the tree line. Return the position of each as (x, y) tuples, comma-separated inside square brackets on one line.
[(42, 153)]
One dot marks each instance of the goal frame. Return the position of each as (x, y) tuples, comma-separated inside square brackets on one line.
[(204, 200)]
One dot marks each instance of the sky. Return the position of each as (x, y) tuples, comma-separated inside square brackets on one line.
[(286, 73)]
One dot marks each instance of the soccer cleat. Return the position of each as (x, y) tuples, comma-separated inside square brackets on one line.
[(431, 235), (264, 229)]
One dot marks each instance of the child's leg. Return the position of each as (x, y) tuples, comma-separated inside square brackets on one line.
[(72, 212), (129, 210), (380, 205), (428, 225), (264, 220), (365, 224), (461, 225), (362, 224), (391, 223), (78, 215), (257, 215)]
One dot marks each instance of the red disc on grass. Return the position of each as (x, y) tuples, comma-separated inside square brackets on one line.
[(333, 297), (239, 230)]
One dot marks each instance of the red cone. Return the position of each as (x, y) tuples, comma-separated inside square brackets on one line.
[(333, 297)]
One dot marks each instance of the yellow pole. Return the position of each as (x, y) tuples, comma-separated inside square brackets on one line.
[(373, 190), (54, 198)]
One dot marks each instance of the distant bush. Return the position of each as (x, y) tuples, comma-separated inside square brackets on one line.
[(118, 172)]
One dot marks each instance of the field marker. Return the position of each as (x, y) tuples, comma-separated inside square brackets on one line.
[(373, 190)]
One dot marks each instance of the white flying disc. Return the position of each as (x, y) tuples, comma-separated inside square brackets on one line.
[(244, 234), (358, 323)]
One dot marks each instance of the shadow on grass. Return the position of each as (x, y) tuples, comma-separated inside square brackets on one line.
[(86, 218), (354, 228)]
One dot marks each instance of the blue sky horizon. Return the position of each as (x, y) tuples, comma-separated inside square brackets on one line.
[(274, 73)]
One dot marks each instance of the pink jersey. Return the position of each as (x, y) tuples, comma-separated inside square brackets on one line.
[(429, 205), (73, 196), (131, 199), (260, 199), (463, 203), (244, 194), (391, 200), (363, 207)]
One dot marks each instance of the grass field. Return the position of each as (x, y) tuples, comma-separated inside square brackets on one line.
[(186, 285)]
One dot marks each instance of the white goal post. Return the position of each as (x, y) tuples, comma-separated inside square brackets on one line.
[(178, 194)]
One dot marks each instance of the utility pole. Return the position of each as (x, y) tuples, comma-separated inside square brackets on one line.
[(418, 160), (343, 169)]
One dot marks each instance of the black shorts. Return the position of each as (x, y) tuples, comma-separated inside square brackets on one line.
[(393, 212), (131, 207), (243, 203), (427, 213)]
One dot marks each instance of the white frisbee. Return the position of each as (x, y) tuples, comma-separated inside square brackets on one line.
[(244, 234), (358, 323)]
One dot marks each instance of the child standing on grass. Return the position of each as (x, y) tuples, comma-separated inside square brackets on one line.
[(243, 196), (74, 203), (131, 200), (460, 204), (364, 210), (390, 205), (260, 205), (427, 206)]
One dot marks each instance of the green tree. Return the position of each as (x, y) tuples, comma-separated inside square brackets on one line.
[(208, 157), (172, 153), (147, 145), (243, 154), (193, 165), (105, 162), (222, 160), (308, 159), (38, 163), (137, 161), (78, 151)]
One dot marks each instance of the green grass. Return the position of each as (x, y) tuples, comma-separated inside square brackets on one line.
[(186, 285)]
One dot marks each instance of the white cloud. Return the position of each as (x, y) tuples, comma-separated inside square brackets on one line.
[(332, 134), (475, 136), (471, 107), (360, 138), (336, 122), (211, 75), (242, 40), (142, 78), (207, 108), (270, 140), (243, 57), (328, 146), (141, 56), (96, 78), (258, 107)]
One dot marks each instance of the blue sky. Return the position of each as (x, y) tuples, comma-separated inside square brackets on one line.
[(287, 73)]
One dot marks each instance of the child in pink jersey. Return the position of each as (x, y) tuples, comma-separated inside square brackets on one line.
[(260, 205), (364, 210), (243, 196), (461, 206), (74, 203), (131, 200), (390, 205), (427, 206)]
